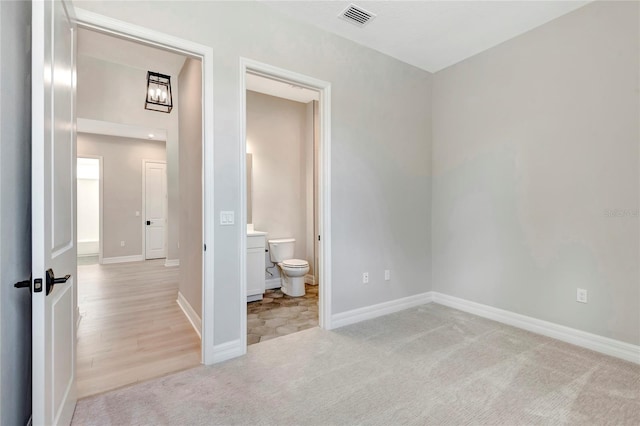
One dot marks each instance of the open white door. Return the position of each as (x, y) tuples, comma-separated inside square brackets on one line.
[(53, 212), (155, 208)]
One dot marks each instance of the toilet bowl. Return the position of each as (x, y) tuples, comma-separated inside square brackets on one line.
[(292, 276), (292, 271)]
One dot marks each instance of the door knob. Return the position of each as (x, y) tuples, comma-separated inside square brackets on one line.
[(52, 280), (148, 222), (23, 284)]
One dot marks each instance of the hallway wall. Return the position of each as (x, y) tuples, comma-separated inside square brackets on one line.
[(190, 102), (122, 188), (119, 98)]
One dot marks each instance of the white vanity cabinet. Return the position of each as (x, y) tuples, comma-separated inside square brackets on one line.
[(255, 265)]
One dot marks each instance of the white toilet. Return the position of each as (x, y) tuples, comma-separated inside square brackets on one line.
[(292, 271)]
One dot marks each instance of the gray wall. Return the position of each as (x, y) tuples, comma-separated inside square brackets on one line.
[(118, 98), (380, 149), (535, 143), (122, 188), (15, 212), (279, 138), (190, 102)]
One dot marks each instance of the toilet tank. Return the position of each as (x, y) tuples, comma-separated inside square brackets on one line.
[(281, 249)]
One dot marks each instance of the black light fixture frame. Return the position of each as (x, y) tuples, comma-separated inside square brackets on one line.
[(158, 105)]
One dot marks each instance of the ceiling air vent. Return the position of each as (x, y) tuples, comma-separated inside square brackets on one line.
[(357, 15)]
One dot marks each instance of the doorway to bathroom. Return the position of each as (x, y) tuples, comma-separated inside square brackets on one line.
[(285, 202)]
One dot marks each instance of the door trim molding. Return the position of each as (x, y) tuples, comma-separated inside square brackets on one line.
[(324, 186), (122, 29)]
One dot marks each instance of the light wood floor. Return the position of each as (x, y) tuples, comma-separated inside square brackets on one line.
[(131, 329)]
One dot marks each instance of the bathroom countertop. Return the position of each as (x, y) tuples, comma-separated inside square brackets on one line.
[(252, 232)]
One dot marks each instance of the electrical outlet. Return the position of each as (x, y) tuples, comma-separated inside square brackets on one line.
[(121, 243), (387, 275), (581, 295), (365, 277)]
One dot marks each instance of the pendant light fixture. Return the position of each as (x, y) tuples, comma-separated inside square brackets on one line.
[(158, 92)]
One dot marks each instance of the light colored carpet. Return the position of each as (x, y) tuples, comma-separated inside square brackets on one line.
[(426, 365)]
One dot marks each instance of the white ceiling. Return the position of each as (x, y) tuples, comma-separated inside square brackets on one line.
[(280, 89), (120, 51), (431, 35)]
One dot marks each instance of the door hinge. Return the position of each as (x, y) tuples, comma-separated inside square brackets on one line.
[(318, 237), (205, 247)]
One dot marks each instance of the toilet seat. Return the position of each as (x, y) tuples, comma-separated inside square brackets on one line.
[(295, 263)]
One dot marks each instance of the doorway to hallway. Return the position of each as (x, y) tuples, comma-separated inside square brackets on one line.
[(136, 318)]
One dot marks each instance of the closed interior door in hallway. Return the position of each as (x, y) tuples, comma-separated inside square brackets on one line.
[(131, 329), (155, 204)]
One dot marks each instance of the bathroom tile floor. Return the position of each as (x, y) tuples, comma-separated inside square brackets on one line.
[(278, 314)]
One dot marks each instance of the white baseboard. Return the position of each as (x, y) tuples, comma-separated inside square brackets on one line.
[(191, 314), (171, 262), (310, 279), (88, 248), (255, 297), (272, 283), (122, 259), (580, 338), (369, 312), (228, 350)]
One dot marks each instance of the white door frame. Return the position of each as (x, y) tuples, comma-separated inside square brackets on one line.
[(122, 29), (324, 186), (100, 204), (143, 222)]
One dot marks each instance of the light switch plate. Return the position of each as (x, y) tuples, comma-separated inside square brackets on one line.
[(227, 218)]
